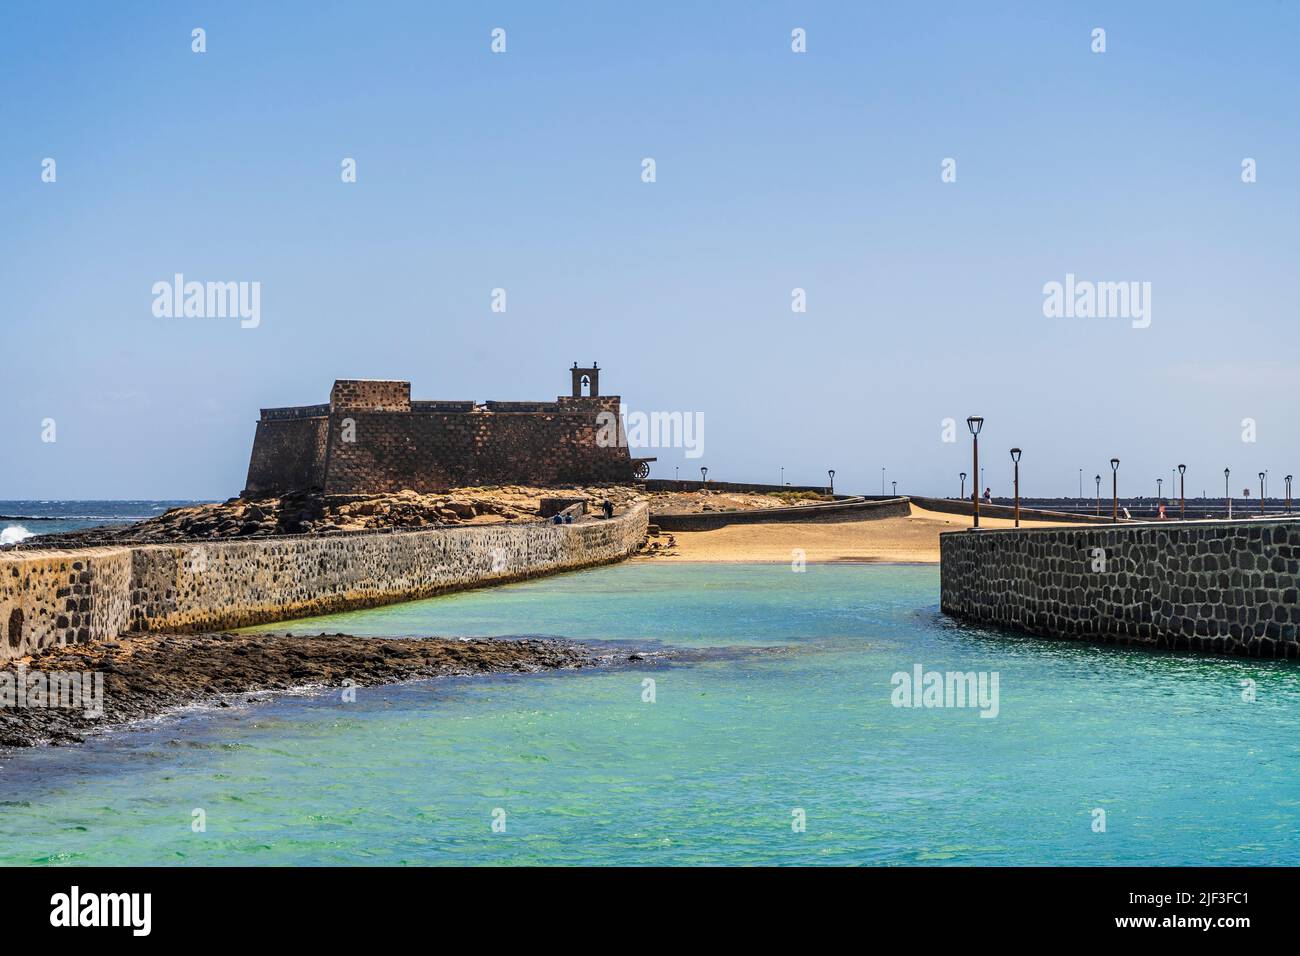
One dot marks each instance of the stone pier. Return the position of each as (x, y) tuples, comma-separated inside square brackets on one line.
[(1223, 587)]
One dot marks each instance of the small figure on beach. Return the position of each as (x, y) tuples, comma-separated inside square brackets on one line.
[(607, 507), (1160, 512), (988, 495)]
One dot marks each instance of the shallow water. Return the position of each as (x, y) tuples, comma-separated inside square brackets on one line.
[(710, 772)]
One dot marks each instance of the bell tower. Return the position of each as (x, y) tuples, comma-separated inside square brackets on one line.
[(586, 378)]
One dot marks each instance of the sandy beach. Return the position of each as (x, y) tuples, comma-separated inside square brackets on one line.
[(913, 540)]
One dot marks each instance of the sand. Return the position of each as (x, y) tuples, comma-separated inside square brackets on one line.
[(913, 540)]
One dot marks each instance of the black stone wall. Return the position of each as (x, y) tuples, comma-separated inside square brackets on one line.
[(1226, 587)]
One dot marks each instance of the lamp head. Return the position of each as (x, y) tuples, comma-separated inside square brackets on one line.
[(831, 472), (975, 423), (1114, 464), (1227, 472), (963, 476), (1015, 454)]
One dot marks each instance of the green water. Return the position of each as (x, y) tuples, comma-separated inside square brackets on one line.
[(786, 707)]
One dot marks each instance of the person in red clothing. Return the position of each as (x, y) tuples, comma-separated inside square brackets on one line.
[(988, 495)]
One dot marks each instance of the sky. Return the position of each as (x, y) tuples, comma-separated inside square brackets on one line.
[(773, 171)]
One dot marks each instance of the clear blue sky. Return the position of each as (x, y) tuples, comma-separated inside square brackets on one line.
[(775, 171)]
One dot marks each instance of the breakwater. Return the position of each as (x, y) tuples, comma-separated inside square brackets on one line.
[(1226, 587), (73, 596), (844, 509)]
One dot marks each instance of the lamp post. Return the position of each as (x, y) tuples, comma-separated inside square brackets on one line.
[(1160, 482), (895, 487), (783, 476), (1261, 492), (1015, 457), (963, 486), (975, 423), (1182, 492), (1288, 494), (1114, 490), (1227, 492), (1097, 478), (831, 473), (704, 475)]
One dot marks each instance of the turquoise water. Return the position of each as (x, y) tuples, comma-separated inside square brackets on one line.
[(788, 707)]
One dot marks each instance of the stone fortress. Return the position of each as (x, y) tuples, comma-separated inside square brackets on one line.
[(373, 438)]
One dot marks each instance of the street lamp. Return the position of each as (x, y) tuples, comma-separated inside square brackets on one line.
[(783, 476), (1114, 490), (975, 423), (1015, 457), (1261, 492), (963, 486), (1227, 492), (1182, 492), (704, 475), (1097, 478), (895, 485), (831, 473), (1288, 494), (1160, 489)]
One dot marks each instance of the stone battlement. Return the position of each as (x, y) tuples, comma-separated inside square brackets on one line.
[(372, 438)]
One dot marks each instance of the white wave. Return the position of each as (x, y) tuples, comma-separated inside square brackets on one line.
[(15, 533)]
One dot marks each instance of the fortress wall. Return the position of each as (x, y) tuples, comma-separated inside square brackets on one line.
[(96, 594), (371, 395), (287, 454), (433, 451), (1227, 587)]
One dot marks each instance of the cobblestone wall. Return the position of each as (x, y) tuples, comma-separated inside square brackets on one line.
[(1227, 587), (49, 597)]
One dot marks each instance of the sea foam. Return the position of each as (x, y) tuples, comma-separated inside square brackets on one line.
[(15, 533)]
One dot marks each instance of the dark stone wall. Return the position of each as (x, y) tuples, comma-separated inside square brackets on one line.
[(434, 451), (1226, 587), (373, 439), (288, 454)]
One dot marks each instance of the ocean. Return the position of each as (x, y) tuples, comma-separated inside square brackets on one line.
[(20, 520), (777, 742)]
